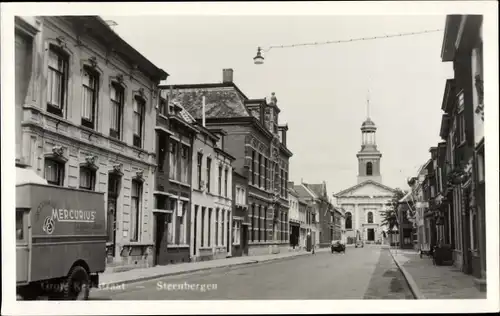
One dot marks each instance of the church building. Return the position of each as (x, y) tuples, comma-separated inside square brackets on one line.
[(364, 202)]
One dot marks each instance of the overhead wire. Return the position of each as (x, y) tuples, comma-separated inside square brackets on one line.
[(351, 40)]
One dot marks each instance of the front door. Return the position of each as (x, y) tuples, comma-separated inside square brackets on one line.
[(244, 238), (371, 234), (161, 238), (111, 229)]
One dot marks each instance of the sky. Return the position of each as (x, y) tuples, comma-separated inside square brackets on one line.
[(322, 91)]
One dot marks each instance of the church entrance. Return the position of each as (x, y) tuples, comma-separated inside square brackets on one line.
[(371, 234)]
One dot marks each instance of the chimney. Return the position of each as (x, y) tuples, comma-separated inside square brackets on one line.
[(227, 75)]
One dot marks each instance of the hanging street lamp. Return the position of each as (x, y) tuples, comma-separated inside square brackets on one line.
[(258, 59)]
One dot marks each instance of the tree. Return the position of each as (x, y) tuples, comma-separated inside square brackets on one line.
[(390, 213)]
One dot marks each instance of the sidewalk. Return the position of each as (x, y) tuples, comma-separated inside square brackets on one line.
[(428, 281), (110, 279)]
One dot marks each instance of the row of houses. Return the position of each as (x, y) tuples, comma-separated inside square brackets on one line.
[(449, 190), (190, 172)]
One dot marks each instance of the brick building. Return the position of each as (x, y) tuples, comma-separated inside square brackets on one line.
[(259, 145), (463, 130), (84, 100), (175, 136)]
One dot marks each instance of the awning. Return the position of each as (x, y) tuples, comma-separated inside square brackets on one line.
[(28, 176)]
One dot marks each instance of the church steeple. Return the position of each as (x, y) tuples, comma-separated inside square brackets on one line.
[(369, 156)]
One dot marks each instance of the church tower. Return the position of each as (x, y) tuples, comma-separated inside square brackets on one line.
[(369, 156)]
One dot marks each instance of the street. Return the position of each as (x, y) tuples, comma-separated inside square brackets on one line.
[(362, 273)]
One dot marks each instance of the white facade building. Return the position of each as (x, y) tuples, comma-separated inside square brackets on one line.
[(211, 216), (364, 202)]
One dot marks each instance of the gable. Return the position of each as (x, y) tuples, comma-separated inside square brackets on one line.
[(367, 188)]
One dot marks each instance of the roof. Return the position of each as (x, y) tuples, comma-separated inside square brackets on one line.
[(183, 113), (221, 100), (368, 123), (103, 31), (304, 192), (354, 187), (318, 189), (293, 192)]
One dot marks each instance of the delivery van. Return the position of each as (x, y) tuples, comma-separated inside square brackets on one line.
[(60, 239)]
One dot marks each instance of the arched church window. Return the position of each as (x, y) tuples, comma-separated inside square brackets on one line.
[(348, 220), (369, 169), (370, 218)]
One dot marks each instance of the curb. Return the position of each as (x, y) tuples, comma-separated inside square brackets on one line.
[(409, 279), (161, 275)]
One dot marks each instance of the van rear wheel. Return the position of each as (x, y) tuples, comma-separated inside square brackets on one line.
[(77, 285)]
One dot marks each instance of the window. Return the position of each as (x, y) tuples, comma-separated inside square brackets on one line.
[(163, 110), (226, 174), (203, 210), (162, 151), (139, 106), (185, 164), (182, 218), (236, 232), (253, 167), (89, 98), (286, 184), (117, 99), (264, 209), (348, 220), (223, 217), (258, 224), (209, 165), (220, 180), (369, 168), (200, 161), (87, 178), (209, 227), (282, 180), (172, 174), (253, 222), (19, 225), (266, 185), (480, 167), (57, 80), (370, 217), (460, 118), (136, 211), (217, 227), (170, 229), (259, 168), (54, 172)]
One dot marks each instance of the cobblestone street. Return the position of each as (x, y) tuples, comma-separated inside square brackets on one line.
[(361, 273)]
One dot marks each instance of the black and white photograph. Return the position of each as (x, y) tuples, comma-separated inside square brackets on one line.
[(280, 157)]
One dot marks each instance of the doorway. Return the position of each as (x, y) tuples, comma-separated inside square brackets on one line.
[(161, 238), (114, 182), (244, 238), (371, 234)]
